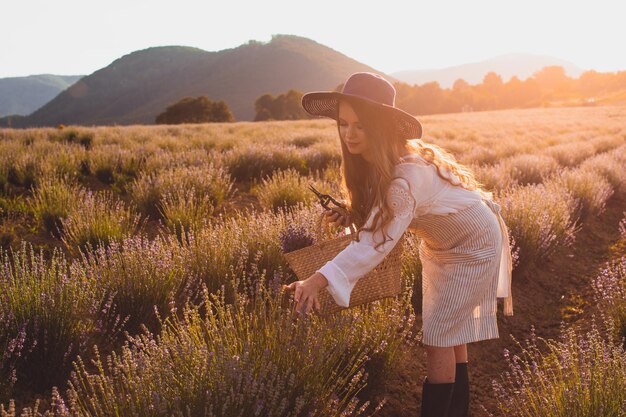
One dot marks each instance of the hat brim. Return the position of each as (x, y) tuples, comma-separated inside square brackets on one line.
[(324, 103)]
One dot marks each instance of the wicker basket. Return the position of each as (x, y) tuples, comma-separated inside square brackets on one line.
[(384, 281)]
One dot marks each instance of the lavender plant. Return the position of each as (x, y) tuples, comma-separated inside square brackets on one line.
[(4, 175), (531, 168), (610, 165), (295, 237), (184, 211), (252, 357), (97, 221), (46, 314), (22, 170), (332, 175), (111, 163), (59, 161), (82, 137), (304, 141), (540, 219), (138, 276), (54, 199), (589, 188), (259, 161), (496, 177), (238, 246), (578, 375), (209, 181), (371, 323), (284, 189), (610, 295), (570, 155), (480, 155), (321, 156), (256, 162), (57, 408)]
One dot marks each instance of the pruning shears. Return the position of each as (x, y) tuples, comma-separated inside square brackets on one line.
[(326, 199)]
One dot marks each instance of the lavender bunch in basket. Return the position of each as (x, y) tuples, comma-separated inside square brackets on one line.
[(295, 237)]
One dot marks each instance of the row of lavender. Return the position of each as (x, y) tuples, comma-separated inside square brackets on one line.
[(583, 372), (234, 346), (184, 179), (118, 156)]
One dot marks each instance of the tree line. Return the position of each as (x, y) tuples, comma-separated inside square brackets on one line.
[(548, 86), (195, 110)]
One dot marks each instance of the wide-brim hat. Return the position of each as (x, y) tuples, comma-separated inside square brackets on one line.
[(368, 87)]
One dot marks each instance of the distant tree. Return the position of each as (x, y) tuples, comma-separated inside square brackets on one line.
[(429, 98), (195, 110), (492, 83), (221, 112), (533, 93), (263, 114), (460, 85), (550, 76), (618, 80), (405, 94), (291, 105), (489, 91), (282, 107), (553, 82), (591, 83), (461, 96), (513, 94), (264, 106)]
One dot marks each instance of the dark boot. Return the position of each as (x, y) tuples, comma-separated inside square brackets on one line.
[(459, 407), (436, 399)]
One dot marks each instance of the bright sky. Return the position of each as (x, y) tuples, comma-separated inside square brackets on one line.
[(71, 37)]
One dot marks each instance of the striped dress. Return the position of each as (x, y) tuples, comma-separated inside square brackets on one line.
[(464, 251)]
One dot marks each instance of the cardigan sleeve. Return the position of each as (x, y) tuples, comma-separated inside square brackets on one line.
[(359, 258)]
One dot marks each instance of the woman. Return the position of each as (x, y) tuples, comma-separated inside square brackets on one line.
[(394, 181)]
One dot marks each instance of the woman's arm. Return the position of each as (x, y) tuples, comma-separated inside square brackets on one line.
[(359, 258)]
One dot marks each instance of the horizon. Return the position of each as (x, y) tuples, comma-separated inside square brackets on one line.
[(64, 29), (418, 69)]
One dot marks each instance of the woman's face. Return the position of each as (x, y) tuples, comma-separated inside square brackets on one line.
[(351, 131)]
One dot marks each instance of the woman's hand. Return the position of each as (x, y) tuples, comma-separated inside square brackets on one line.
[(306, 293), (338, 217)]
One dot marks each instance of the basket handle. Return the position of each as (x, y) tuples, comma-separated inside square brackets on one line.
[(324, 225)]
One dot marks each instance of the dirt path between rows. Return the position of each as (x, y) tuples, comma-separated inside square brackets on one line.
[(558, 290)]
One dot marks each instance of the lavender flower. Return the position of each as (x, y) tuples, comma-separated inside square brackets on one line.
[(295, 237)]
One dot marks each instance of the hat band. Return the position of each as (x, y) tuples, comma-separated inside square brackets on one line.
[(378, 95)]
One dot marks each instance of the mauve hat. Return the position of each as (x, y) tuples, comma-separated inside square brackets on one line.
[(368, 87)]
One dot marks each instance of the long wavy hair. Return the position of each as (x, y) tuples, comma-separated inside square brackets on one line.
[(365, 184)]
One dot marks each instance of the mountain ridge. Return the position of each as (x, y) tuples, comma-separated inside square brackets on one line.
[(520, 65), (24, 95), (138, 86)]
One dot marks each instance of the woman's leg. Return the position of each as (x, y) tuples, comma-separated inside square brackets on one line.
[(440, 364), (460, 353), (438, 386), (459, 406)]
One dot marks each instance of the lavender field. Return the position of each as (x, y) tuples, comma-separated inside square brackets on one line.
[(141, 269)]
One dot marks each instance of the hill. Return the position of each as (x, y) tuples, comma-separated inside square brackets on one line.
[(520, 65), (138, 86), (24, 95)]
